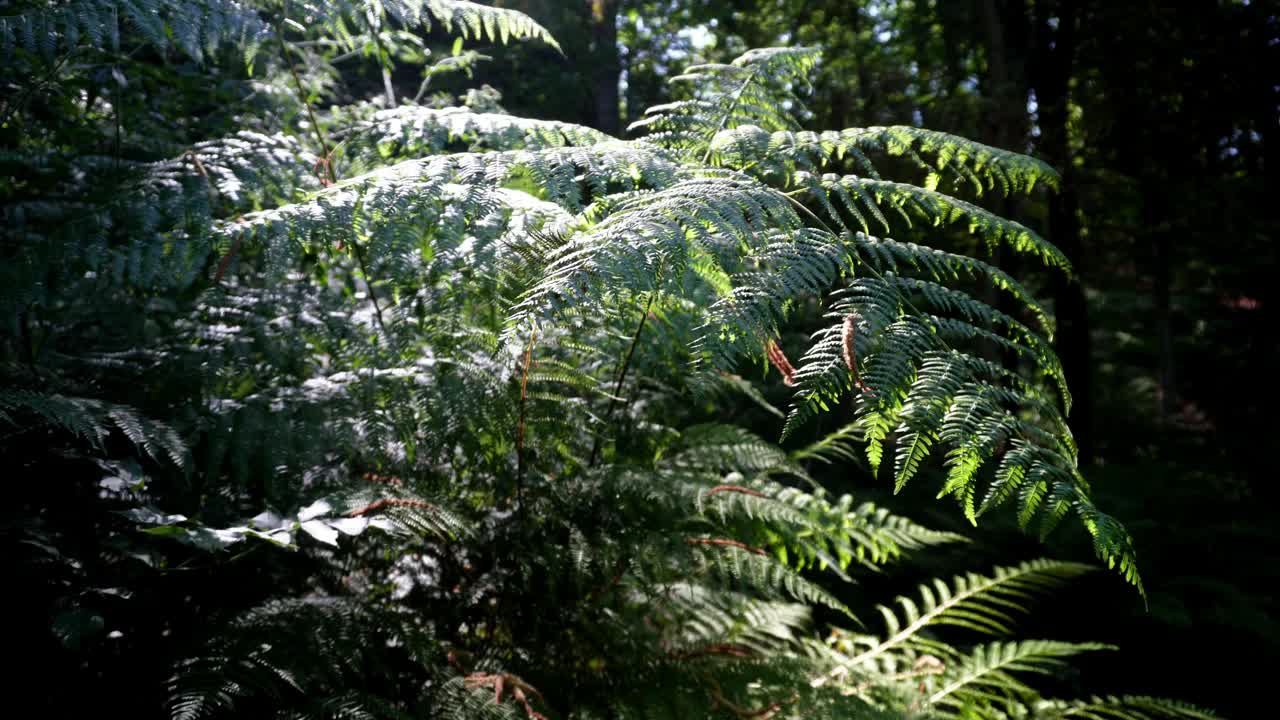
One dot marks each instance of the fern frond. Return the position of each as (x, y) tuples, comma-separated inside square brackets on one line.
[(195, 27), (980, 166), (985, 674), (972, 601), (742, 567), (892, 256), (879, 197), (651, 238), (756, 88), (93, 420), (412, 132), (1124, 707), (474, 20)]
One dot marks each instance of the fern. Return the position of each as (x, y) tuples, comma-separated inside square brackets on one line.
[(195, 28), (984, 674), (92, 420), (518, 348)]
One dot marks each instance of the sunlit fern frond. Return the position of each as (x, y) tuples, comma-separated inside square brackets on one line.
[(872, 201), (758, 88), (1124, 707), (985, 676), (412, 132), (965, 162), (981, 603)]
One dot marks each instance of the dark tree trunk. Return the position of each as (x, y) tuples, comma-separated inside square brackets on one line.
[(1052, 69), (607, 65), (1163, 291), (1004, 34)]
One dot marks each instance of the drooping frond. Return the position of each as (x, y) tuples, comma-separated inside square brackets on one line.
[(893, 256), (869, 197), (911, 384), (474, 20), (940, 154), (89, 419), (470, 20)]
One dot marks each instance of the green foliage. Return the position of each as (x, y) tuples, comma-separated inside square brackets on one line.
[(440, 385)]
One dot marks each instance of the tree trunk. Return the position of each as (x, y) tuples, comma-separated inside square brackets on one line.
[(1004, 31), (1052, 70), (1163, 291), (607, 64)]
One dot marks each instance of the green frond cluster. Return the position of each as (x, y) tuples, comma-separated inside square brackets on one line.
[(518, 350), (755, 89), (411, 132), (985, 675), (985, 680), (196, 28)]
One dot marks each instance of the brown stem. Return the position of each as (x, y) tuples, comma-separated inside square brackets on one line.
[(734, 488), (302, 95), (377, 505), (724, 542), (226, 259), (722, 649)]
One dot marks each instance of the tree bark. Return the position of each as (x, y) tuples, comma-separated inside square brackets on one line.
[(607, 64), (1054, 63), (1004, 34)]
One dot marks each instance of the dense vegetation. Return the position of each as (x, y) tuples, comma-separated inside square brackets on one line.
[(325, 394)]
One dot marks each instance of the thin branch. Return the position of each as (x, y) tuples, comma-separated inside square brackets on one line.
[(302, 96), (737, 97), (520, 426), (622, 376)]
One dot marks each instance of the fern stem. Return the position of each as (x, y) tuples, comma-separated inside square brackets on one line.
[(925, 618), (333, 178), (368, 281), (383, 58), (737, 97), (869, 267), (622, 376), (520, 425), (302, 96)]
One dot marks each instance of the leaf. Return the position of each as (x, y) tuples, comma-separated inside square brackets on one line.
[(74, 627), (315, 510), (321, 531)]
